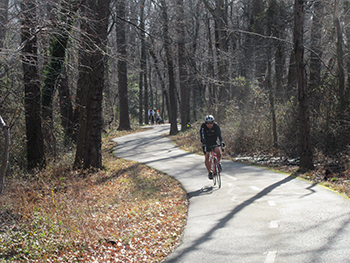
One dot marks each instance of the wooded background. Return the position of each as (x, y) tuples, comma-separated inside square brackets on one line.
[(274, 73)]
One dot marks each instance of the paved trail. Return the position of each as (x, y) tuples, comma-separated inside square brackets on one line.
[(257, 216)]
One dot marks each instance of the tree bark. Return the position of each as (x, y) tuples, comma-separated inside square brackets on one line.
[(306, 158), (184, 85), (54, 71), (219, 13), (342, 97), (66, 110), (170, 65), (124, 121), (35, 144), (4, 4), (5, 155), (91, 81), (162, 84)]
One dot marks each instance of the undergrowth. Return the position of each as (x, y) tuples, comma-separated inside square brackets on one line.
[(333, 173), (126, 212)]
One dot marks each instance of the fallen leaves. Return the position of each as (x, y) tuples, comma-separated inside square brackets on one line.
[(125, 213)]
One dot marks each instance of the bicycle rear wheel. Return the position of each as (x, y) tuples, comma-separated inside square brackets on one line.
[(217, 176)]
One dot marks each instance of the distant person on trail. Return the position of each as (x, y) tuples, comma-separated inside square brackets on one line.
[(151, 116), (210, 132)]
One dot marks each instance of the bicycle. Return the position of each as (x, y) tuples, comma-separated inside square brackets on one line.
[(215, 166)]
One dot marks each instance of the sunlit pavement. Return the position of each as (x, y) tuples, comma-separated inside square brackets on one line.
[(256, 216)]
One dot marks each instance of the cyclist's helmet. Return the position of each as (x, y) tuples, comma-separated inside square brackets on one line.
[(209, 118)]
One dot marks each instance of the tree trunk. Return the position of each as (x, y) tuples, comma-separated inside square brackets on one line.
[(4, 4), (91, 81), (66, 109), (164, 91), (315, 56), (219, 14), (306, 158), (271, 89), (342, 98), (184, 86), (35, 144), (143, 66), (124, 121), (170, 65), (5, 155), (54, 70)]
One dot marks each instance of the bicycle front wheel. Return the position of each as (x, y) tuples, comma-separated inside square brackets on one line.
[(217, 177)]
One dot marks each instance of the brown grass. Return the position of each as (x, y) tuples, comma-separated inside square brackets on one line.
[(125, 213)]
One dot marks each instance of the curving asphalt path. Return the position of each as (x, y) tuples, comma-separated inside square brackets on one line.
[(257, 216)]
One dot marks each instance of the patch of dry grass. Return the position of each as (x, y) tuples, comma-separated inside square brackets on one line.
[(124, 213)]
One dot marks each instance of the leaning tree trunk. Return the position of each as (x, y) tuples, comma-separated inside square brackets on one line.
[(306, 158), (91, 79), (35, 144)]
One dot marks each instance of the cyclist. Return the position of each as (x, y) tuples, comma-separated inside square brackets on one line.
[(210, 132)]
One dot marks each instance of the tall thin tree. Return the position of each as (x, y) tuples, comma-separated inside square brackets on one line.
[(184, 87), (170, 66), (124, 121), (306, 158), (35, 144)]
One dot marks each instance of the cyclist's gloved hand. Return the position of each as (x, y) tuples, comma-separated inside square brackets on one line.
[(223, 144), (204, 147)]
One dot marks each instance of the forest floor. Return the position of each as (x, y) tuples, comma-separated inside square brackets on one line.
[(125, 212)]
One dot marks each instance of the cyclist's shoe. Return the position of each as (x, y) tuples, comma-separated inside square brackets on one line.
[(210, 176), (220, 168)]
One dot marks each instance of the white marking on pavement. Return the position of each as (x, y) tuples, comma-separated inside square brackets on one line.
[(274, 224), (255, 188), (271, 256), (271, 203), (231, 177)]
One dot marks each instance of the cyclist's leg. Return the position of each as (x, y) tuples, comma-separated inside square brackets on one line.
[(218, 153), (206, 161)]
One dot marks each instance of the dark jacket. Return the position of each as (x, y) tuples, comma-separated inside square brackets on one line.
[(210, 136)]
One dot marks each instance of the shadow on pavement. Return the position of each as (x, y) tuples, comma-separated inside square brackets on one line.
[(222, 222), (207, 190)]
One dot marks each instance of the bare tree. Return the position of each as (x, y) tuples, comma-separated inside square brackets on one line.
[(184, 85), (339, 32), (124, 121), (91, 79), (3, 20), (35, 144), (170, 66), (5, 155), (55, 69), (306, 158)]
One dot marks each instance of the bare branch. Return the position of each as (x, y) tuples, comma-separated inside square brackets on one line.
[(14, 55)]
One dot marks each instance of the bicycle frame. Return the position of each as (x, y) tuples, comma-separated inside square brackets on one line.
[(214, 164)]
